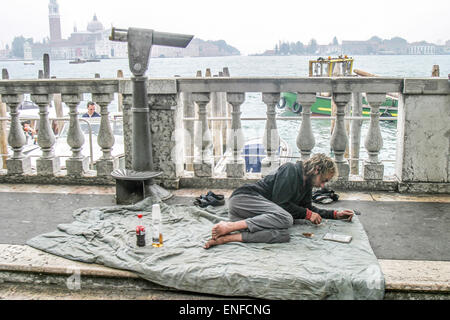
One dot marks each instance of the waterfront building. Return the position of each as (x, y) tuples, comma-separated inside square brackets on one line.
[(94, 43), (356, 47), (422, 48)]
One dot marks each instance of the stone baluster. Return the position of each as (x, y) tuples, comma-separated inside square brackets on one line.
[(47, 164), (77, 164), (235, 166), (305, 138), (339, 137), (203, 160), (18, 163), (107, 163), (271, 139), (373, 169)]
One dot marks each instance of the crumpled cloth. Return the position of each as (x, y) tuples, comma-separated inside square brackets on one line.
[(304, 268)]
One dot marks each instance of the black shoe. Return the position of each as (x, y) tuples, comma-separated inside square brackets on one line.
[(204, 201), (217, 196)]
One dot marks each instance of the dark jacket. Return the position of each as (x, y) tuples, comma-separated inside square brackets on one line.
[(285, 188), (94, 115)]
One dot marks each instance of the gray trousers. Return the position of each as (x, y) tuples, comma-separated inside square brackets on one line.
[(267, 222)]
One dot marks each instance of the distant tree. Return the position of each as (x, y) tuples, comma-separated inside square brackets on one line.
[(284, 48), (312, 46), (299, 48), (17, 46)]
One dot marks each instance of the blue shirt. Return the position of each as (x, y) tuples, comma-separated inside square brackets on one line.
[(86, 115)]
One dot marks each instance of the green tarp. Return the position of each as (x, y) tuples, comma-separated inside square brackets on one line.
[(304, 268)]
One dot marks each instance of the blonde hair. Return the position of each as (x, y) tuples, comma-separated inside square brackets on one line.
[(322, 163)]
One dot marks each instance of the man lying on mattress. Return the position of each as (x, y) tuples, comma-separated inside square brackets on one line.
[(263, 211)]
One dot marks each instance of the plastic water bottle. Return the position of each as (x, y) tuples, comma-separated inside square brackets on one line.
[(157, 238)]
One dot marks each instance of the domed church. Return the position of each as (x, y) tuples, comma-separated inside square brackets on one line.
[(95, 25), (91, 43)]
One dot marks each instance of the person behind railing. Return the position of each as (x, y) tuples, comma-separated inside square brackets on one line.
[(91, 113), (264, 211), (30, 132)]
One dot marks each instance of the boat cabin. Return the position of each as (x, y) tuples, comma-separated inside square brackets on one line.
[(331, 67)]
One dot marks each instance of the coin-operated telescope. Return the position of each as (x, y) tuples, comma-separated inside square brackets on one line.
[(140, 42)]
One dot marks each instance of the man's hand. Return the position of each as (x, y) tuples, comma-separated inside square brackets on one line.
[(345, 215), (315, 218)]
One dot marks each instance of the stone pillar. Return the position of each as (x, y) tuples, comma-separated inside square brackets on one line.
[(423, 135), (339, 138), (373, 169), (17, 163), (305, 138), (47, 164), (107, 163), (203, 160), (271, 139), (235, 166), (77, 164), (167, 139)]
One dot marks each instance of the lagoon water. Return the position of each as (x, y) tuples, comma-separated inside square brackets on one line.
[(240, 66)]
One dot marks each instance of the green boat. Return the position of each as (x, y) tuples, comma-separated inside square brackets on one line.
[(331, 67), (322, 106)]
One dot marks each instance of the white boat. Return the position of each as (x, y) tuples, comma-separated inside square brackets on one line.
[(28, 109), (253, 152)]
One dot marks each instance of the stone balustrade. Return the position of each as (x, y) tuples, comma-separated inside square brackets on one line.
[(182, 111)]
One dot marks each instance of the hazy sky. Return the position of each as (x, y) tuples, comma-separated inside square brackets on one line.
[(251, 26)]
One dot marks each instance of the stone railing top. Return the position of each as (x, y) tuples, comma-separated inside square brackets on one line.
[(234, 84)]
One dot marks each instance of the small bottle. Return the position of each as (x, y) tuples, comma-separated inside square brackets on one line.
[(157, 238), (140, 234)]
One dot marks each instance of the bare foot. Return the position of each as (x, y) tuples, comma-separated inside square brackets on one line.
[(236, 237), (210, 243), (220, 229)]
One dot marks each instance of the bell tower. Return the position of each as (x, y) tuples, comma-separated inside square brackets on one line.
[(54, 21)]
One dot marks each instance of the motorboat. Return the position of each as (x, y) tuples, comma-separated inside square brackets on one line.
[(341, 66), (77, 61)]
